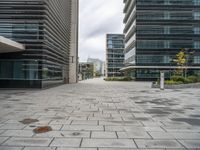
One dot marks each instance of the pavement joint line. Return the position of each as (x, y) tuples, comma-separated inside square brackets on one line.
[(5, 140), (81, 142), (116, 134), (135, 143)]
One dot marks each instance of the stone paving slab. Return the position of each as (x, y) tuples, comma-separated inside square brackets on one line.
[(158, 144), (14, 141), (39, 148), (83, 127), (134, 135), (18, 133), (190, 143), (3, 139), (67, 134), (117, 143), (65, 148), (66, 142), (129, 149), (10, 148), (106, 135)]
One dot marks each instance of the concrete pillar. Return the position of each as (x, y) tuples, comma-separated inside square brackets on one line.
[(73, 64)]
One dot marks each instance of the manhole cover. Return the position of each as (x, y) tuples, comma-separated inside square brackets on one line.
[(42, 129), (29, 121)]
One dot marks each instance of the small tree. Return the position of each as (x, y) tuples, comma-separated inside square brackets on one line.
[(182, 60)]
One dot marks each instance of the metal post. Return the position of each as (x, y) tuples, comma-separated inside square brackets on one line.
[(162, 80)]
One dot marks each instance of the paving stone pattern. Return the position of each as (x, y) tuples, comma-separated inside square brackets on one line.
[(99, 115)]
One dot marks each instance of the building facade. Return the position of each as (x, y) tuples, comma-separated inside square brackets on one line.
[(155, 31), (98, 66), (86, 71), (114, 54), (44, 27)]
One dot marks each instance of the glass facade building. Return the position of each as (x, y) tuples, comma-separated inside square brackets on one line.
[(155, 31), (44, 28), (114, 54)]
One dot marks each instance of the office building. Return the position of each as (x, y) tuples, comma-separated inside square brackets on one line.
[(98, 66), (155, 31), (48, 33), (114, 54), (86, 71)]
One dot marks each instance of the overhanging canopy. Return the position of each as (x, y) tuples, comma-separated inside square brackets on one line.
[(8, 46)]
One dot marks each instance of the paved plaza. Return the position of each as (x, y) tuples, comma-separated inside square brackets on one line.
[(98, 115)]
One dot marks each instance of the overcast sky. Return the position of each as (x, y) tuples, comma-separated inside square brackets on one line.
[(98, 17)]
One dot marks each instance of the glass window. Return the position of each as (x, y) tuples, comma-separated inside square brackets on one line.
[(196, 30), (196, 15), (166, 15), (167, 30), (196, 2), (196, 59), (197, 44), (6, 70), (18, 71)]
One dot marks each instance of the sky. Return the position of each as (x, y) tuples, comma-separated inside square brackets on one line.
[(97, 18)]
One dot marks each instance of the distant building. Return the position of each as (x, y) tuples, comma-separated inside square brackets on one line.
[(98, 66), (114, 54), (155, 31), (86, 71), (47, 32)]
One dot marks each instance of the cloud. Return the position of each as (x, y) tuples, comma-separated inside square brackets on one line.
[(97, 18)]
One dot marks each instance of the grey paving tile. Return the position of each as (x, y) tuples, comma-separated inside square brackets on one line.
[(190, 143), (57, 122), (112, 143), (158, 144), (105, 135), (128, 149), (39, 148), (14, 141), (18, 133), (134, 135), (11, 126), (162, 135), (67, 134), (83, 127), (84, 122), (10, 148), (54, 127), (117, 123), (66, 142), (67, 148), (3, 139), (186, 136), (1, 131)]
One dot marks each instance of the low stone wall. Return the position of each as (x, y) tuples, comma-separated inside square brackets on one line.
[(179, 86)]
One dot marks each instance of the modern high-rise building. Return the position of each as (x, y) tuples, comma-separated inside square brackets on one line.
[(98, 66), (48, 32), (86, 70), (155, 31), (114, 54)]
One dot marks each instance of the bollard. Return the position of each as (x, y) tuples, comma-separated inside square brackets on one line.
[(162, 80)]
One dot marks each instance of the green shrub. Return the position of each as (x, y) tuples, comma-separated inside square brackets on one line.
[(118, 79), (178, 79), (193, 79), (171, 82)]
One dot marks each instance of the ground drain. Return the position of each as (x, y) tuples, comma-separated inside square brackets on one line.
[(29, 121), (42, 129)]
